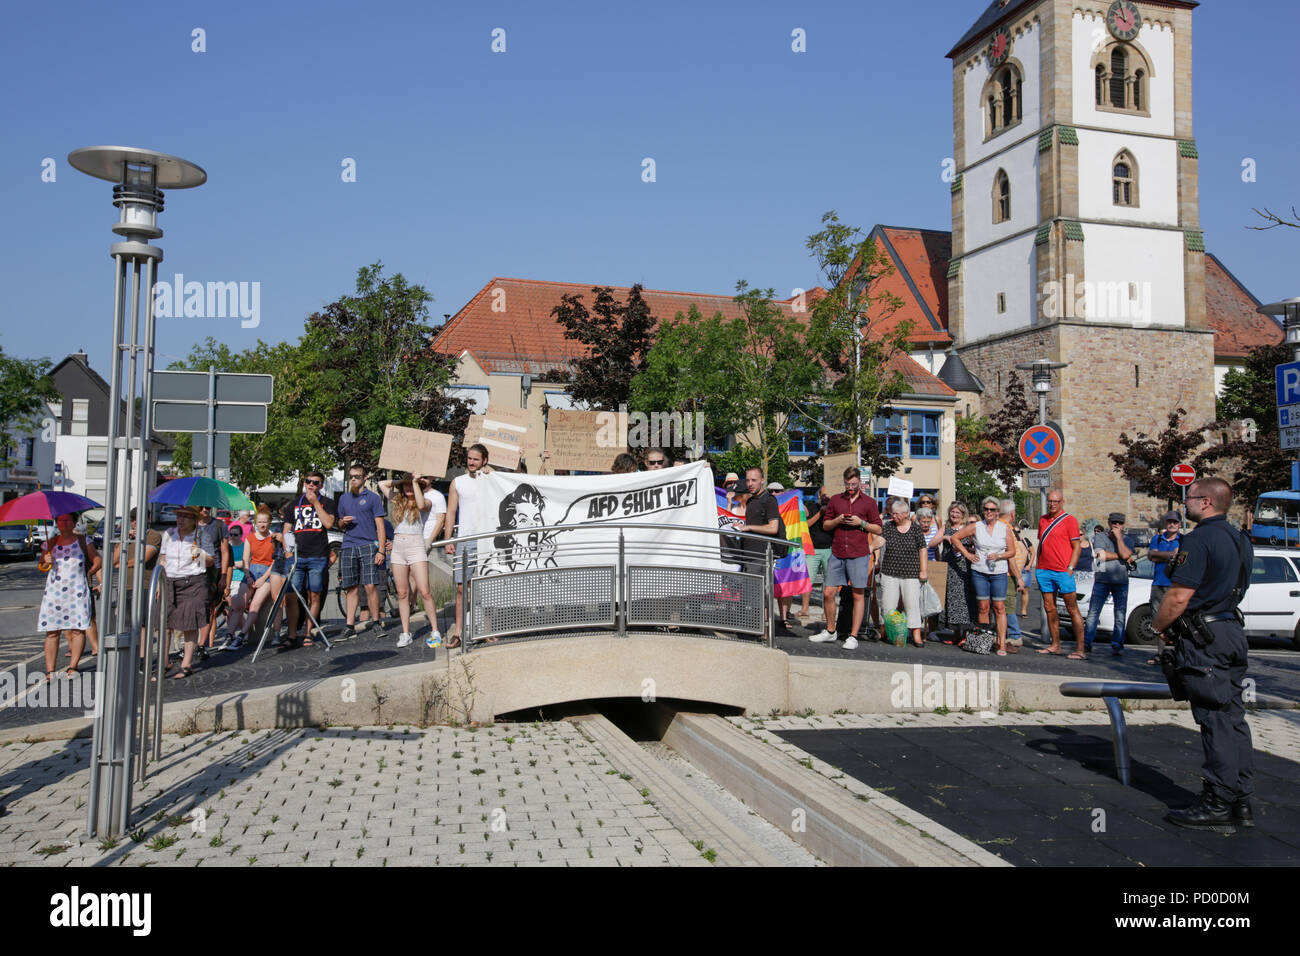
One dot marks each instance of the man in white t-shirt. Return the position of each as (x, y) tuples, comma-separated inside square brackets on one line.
[(462, 519)]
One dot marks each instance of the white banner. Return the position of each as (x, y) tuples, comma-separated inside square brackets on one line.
[(670, 496)]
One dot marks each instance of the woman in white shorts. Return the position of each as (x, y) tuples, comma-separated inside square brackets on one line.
[(409, 508)]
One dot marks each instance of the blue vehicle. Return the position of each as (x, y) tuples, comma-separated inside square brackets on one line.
[(1277, 519)]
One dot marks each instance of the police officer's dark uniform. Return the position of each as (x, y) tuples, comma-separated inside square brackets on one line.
[(1210, 560)]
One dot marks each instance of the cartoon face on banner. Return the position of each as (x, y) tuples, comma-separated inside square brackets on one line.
[(522, 508), (663, 501)]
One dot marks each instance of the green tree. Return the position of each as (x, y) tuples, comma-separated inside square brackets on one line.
[(1247, 427), (747, 375), (1147, 460), (616, 341), (974, 482), (992, 444), (850, 330), (368, 363), (25, 387)]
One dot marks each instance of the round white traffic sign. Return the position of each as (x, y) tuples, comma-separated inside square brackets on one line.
[(1183, 474)]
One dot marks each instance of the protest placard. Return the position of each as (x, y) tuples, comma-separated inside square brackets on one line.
[(504, 433), (577, 442), (416, 451)]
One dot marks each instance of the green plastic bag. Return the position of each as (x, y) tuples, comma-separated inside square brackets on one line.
[(896, 627)]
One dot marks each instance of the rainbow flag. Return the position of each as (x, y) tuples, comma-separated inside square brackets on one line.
[(791, 571)]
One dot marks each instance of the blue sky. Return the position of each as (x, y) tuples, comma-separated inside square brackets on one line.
[(527, 163)]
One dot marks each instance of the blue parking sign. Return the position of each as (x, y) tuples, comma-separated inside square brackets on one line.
[(1288, 383)]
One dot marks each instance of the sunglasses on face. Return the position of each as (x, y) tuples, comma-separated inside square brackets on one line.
[(655, 461), (311, 481)]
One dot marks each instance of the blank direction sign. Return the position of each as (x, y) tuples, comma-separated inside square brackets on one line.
[(171, 386), (193, 417)]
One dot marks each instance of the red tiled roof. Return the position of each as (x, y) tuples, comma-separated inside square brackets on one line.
[(527, 331), (526, 338), (919, 381), (920, 278), (1230, 310)]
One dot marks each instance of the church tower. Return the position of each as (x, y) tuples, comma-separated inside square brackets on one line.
[(1075, 225)]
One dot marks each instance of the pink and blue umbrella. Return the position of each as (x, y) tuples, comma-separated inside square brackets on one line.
[(45, 506)]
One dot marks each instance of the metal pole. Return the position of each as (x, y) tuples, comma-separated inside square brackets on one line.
[(621, 574), (94, 811), (210, 466), (768, 596), (464, 601), (1042, 420)]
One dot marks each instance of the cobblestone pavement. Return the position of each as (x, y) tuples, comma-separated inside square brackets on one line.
[(510, 794)]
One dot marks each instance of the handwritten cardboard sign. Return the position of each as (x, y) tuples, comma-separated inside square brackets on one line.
[(833, 468), (504, 432), (577, 442), (416, 451)]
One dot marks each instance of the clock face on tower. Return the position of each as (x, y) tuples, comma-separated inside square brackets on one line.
[(999, 46), (1123, 19)]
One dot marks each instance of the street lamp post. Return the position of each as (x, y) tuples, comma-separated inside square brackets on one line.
[(139, 177), (1289, 309), (1041, 371)]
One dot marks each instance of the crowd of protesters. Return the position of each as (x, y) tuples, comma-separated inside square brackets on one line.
[(945, 574), (971, 573)]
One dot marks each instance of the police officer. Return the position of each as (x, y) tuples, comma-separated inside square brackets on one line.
[(1209, 576)]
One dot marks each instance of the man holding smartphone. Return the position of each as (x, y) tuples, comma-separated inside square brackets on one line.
[(853, 518)]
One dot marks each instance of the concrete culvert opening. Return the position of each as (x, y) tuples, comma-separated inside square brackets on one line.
[(640, 720)]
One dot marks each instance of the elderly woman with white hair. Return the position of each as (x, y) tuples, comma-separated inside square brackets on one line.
[(903, 567)]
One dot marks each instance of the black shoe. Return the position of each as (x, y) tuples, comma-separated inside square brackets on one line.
[(1208, 813), (1242, 815)]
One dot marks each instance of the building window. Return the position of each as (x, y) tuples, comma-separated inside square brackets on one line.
[(29, 452), (890, 428), (804, 436), (1120, 75), (80, 417), (1001, 196), (716, 444), (1124, 180), (923, 434), (1002, 302), (1003, 100)]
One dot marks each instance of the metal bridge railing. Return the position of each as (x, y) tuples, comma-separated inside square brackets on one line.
[(531, 580)]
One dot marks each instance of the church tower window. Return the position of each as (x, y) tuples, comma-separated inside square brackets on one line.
[(1003, 100), (1124, 180), (1120, 74), (1001, 196)]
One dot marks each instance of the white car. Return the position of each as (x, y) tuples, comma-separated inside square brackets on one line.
[(1271, 607)]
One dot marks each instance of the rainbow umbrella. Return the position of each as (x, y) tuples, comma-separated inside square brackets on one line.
[(196, 492), (44, 506)]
